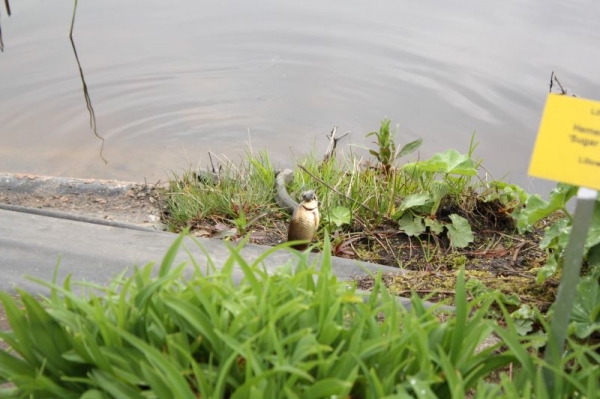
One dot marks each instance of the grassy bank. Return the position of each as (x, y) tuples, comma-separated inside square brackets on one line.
[(431, 216), (410, 215)]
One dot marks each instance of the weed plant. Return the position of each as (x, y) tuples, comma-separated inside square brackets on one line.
[(387, 152)]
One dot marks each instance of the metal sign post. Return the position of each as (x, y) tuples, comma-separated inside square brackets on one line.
[(584, 209)]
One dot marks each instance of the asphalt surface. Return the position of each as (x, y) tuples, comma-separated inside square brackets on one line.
[(33, 241)]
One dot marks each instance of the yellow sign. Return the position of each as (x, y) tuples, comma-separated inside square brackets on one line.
[(567, 148)]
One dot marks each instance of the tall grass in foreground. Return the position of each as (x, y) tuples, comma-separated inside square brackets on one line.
[(296, 334)]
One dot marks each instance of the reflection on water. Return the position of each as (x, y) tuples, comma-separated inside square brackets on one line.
[(173, 80), (7, 6), (88, 103), (86, 94)]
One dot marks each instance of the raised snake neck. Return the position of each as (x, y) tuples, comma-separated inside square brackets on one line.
[(309, 209), (282, 197)]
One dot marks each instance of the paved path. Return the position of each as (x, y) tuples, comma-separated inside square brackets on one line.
[(31, 244)]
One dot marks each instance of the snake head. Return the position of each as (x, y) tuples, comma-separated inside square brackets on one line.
[(308, 196)]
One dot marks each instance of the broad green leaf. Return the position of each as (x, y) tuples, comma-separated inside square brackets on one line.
[(549, 269), (415, 168), (435, 226), (476, 288), (556, 236), (438, 190), (414, 200), (449, 162), (593, 237), (560, 196), (524, 327), (537, 209), (412, 226), (594, 257), (523, 318), (456, 163), (459, 231), (340, 216), (510, 299), (586, 308), (508, 194)]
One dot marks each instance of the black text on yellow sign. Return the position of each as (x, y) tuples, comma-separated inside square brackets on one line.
[(567, 148)]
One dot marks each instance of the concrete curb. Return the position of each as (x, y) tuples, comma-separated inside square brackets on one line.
[(32, 243)]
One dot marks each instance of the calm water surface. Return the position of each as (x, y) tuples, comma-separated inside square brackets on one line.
[(170, 81)]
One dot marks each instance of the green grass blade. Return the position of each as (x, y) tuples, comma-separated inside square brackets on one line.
[(20, 330), (169, 258), (155, 358), (195, 319), (460, 319)]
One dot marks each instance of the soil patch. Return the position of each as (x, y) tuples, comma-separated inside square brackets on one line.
[(136, 203)]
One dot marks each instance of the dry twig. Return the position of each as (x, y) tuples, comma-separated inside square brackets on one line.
[(332, 143), (563, 91)]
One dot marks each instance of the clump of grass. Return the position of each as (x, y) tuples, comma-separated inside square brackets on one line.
[(237, 192), (299, 333)]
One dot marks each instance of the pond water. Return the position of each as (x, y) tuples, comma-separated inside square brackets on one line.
[(171, 80)]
